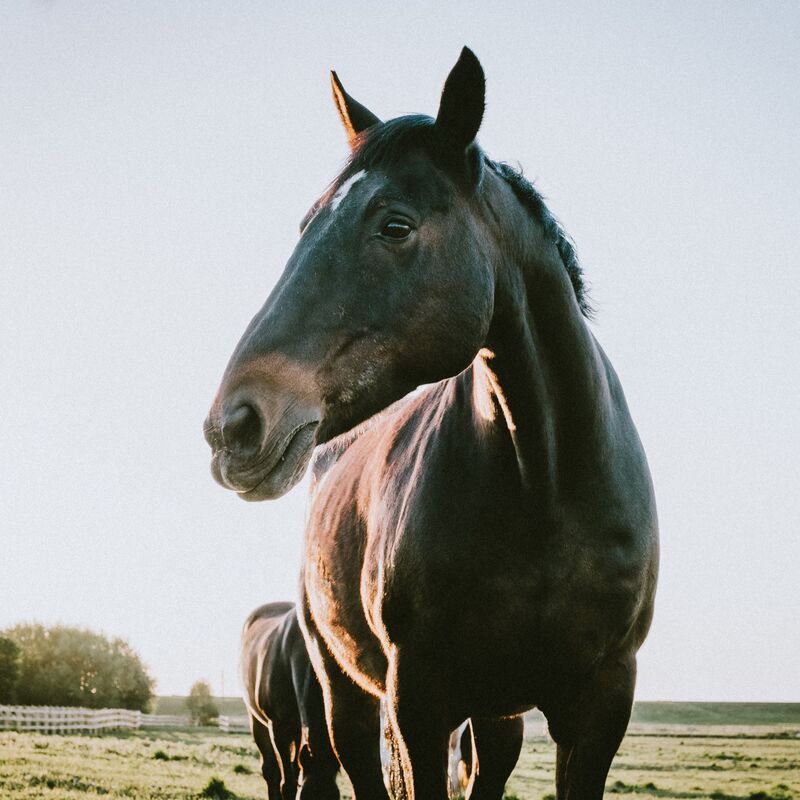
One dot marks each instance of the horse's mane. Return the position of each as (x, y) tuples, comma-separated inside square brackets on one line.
[(391, 141), (534, 202)]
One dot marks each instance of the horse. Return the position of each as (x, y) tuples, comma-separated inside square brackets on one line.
[(284, 703), (482, 546)]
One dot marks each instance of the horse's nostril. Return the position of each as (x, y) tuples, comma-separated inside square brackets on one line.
[(242, 427)]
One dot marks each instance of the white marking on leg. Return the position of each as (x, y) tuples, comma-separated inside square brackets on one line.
[(342, 191)]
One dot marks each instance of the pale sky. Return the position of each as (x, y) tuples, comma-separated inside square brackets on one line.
[(155, 161)]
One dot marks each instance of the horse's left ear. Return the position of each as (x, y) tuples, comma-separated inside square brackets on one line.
[(463, 101)]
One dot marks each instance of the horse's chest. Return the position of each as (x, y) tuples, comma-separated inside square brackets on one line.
[(502, 602)]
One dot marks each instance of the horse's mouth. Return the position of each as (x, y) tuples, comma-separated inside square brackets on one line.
[(289, 468), (283, 473)]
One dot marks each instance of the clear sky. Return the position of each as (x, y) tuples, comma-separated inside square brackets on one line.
[(155, 161)]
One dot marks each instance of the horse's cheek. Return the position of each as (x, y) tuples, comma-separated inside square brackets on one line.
[(471, 315), (454, 318)]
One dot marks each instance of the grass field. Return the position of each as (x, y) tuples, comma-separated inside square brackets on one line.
[(178, 764), (176, 704), (665, 713), (658, 713)]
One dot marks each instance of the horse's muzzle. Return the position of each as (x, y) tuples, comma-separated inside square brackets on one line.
[(257, 460)]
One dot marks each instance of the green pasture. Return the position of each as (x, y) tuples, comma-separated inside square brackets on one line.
[(673, 713), (176, 704), (652, 713), (162, 764)]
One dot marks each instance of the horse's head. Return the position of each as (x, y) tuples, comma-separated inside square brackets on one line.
[(390, 286)]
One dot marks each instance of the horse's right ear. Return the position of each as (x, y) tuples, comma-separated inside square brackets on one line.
[(463, 101), (355, 117)]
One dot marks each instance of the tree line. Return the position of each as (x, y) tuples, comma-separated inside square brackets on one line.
[(67, 666)]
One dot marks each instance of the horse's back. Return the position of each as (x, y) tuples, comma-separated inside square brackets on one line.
[(266, 616)]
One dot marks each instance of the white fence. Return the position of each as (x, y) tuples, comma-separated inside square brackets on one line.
[(165, 721), (62, 719), (56, 719), (234, 724)]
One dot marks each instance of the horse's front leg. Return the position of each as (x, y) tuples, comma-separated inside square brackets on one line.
[(420, 728), (354, 725), (589, 733), (353, 719)]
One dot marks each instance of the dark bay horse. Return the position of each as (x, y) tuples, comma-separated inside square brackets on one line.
[(489, 544), (284, 701)]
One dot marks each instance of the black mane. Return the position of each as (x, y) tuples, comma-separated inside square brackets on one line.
[(389, 142), (534, 202)]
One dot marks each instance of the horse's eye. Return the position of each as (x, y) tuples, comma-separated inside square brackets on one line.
[(396, 229)]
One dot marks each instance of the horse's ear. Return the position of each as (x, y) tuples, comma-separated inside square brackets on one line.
[(463, 101), (355, 117)]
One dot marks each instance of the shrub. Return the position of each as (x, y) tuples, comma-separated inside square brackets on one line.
[(9, 669), (216, 790), (200, 703), (620, 787), (65, 666)]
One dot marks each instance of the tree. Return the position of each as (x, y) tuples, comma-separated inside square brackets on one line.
[(65, 666), (9, 669), (202, 707)]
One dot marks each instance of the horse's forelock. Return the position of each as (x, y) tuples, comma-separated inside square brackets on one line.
[(390, 142)]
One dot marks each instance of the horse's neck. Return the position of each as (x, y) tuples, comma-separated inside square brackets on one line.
[(551, 378)]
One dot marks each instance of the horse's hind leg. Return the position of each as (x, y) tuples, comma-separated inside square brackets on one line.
[(318, 771), (589, 735), (270, 770), (497, 743), (285, 748)]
